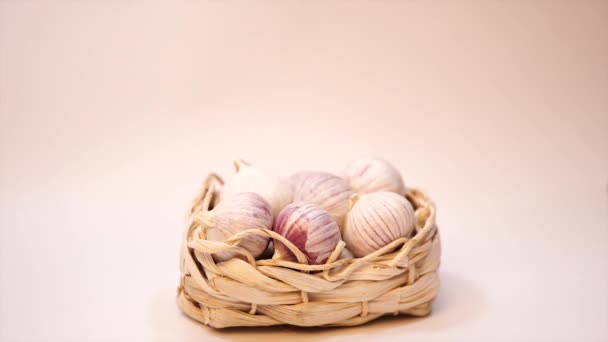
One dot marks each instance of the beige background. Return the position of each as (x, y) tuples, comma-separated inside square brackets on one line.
[(112, 112)]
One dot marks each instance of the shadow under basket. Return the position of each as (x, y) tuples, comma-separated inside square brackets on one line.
[(400, 278)]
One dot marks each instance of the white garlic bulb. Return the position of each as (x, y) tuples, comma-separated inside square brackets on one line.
[(328, 191), (310, 228), (374, 174), (346, 254), (275, 190), (242, 211), (377, 219)]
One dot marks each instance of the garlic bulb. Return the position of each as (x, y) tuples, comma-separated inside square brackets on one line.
[(275, 190), (328, 191), (375, 220), (374, 174), (346, 254), (308, 227), (242, 211)]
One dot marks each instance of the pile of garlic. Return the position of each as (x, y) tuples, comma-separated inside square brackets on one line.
[(366, 209)]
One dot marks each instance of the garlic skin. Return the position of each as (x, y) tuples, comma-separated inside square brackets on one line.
[(242, 211), (308, 227), (375, 220), (369, 175), (346, 254), (324, 189), (275, 190)]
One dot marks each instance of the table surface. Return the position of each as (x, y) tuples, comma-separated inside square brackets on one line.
[(112, 113)]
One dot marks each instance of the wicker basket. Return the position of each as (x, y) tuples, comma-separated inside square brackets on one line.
[(400, 278)]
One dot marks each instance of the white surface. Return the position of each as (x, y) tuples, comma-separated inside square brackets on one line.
[(111, 114)]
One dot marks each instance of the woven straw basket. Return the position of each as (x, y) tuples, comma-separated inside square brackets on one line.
[(400, 278)]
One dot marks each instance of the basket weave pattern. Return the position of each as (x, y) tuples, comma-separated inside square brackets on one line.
[(400, 278)]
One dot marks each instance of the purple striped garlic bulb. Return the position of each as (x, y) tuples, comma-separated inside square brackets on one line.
[(242, 211), (310, 228), (368, 175), (375, 220), (328, 191)]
